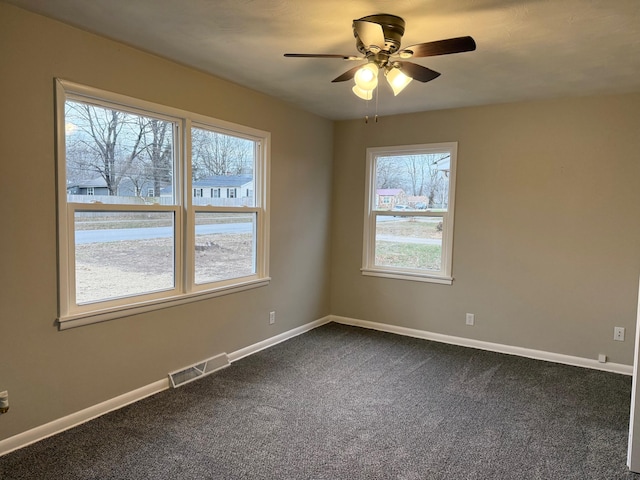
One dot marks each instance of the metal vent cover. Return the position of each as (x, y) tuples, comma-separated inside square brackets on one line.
[(198, 370)]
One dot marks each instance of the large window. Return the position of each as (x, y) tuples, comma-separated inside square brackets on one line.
[(408, 230), (146, 234)]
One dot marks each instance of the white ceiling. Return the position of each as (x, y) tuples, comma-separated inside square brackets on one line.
[(526, 49)]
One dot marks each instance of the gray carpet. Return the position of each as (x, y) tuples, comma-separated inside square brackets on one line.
[(346, 403)]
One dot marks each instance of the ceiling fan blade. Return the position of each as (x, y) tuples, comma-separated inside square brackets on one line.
[(417, 72), (322, 55), (369, 33), (348, 75), (439, 47)]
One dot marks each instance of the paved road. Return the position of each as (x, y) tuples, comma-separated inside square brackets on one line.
[(118, 234), (422, 241)]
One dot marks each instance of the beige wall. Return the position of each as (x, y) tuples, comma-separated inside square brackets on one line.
[(547, 233), (50, 374), (546, 244)]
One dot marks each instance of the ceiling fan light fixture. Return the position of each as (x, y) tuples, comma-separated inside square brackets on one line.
[(397, 80), (363, 94), (378, 39), (366, 77)]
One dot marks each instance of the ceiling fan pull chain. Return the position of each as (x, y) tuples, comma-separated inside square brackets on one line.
[(366, 111), (377, 93)]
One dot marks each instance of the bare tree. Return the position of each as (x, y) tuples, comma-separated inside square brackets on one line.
[(438, 171), (117, 145), (159, 153), (415, 168), (388, 173), (136, 174), (106, 144), (215, 153), (424, 175)]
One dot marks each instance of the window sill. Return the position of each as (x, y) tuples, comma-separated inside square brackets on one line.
[(96, 316), (412, 276)]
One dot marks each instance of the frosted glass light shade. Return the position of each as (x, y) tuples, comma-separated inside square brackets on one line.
[(397, 80), (367, 77), (363, 94)]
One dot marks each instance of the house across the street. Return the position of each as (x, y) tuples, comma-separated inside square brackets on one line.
[(94, 186), (387, 198), (224, 186), (230, 189), (98, 187)]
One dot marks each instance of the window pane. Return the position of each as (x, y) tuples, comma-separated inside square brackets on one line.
[(409, 242), (412, 182), (117, 157), (222, 169), (225, 246), (120, 254)]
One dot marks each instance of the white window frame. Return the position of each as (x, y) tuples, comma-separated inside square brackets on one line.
[(71, 314), (444, 276)]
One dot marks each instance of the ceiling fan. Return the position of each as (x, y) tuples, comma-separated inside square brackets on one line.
[(378, 39)]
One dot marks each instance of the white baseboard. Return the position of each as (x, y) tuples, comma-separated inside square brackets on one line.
[(57, 426), (494, 347), (270, 342), (65, 423)]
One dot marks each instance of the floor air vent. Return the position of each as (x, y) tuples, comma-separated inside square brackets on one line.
[(198, 370)]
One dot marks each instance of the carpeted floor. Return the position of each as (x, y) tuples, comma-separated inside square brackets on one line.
[(346, 403)]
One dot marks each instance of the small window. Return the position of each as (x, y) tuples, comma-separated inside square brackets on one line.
[(90, 191), (232, 193), (408, 230)]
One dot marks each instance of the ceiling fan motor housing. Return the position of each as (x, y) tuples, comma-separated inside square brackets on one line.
[(392, 27)]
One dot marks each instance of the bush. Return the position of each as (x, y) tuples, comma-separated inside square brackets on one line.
[(439, 227)]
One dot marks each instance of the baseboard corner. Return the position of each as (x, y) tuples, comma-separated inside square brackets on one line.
[(271, 341)]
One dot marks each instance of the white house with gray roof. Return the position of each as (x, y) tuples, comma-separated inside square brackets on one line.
[(98, 187), (230, 189)]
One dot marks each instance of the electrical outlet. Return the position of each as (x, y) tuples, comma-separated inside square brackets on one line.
[(4, 402), (470, 319), (602, 358), (618, 334), (272, 318)]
